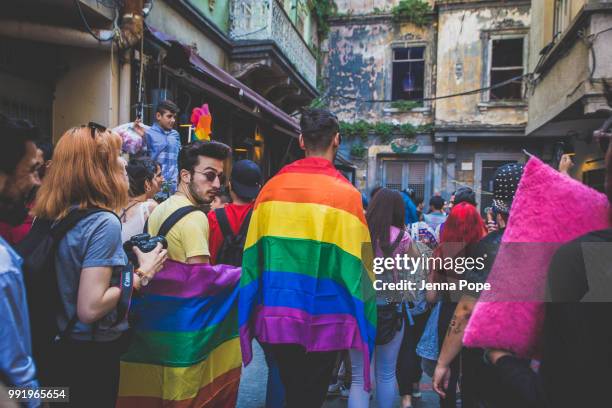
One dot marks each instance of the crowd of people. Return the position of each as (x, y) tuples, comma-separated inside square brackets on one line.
[(86, 233)]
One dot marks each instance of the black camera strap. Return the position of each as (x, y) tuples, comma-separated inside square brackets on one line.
[(175, 217), (126, 284)]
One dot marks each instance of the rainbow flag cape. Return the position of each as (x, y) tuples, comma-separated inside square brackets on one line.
[(185, 351), (303, 280)]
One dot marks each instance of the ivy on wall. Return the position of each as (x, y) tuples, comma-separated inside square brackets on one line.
[(415, 11), (386, 131), (324, 10), (406, 105)]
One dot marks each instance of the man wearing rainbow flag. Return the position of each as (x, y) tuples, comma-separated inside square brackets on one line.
[(185, 350), (304, 292)]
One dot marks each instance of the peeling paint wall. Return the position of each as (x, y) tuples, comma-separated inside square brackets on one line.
[(463, 41), (359, 62), (359, 66)]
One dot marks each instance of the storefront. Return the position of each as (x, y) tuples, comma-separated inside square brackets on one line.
[(251, 125)]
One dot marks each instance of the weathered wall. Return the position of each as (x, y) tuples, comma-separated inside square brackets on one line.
[(567, 81), (365, 6), (359, 66), (88, 91), (463, 35), (216, 11), (166, 19)]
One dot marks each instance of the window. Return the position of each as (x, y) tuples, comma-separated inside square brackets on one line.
[(399, 175), (507, 63), (408, 73), (561, 16)]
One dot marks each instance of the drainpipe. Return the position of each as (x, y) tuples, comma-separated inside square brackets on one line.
[(131, 32), (53, 34)]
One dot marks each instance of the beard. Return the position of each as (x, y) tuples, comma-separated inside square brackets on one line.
[(199, 197), (12, 213)]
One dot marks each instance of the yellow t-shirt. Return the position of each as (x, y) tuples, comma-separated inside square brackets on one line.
[(189, 236)]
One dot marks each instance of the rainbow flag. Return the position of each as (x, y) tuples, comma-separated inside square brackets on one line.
[(201, 119), (185, 351), (303, 279)]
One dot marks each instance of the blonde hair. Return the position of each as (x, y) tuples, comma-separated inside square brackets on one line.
[(86, 172)]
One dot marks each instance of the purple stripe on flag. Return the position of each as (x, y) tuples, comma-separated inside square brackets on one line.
[(284, 325), (183, 280)]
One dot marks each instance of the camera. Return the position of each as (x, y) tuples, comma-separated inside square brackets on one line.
[(144, 242)]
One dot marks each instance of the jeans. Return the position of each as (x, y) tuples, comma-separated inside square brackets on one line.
[(384, 361), (408, 362)]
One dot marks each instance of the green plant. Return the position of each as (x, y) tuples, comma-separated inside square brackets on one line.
[(415, 11), (384, 130), (358, 150), (324, 9), (403, 105), (407, 130)]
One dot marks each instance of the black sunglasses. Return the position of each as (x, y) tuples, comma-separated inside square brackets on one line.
[(603, 138), (95, 127), (211, 176)]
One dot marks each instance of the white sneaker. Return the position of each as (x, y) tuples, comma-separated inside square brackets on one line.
[(344, 392), (334, 388), (416, 391)]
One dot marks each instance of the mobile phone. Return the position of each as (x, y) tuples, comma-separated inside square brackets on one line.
[(490, 215)]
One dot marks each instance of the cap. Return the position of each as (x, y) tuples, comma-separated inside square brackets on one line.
[(505, 184), (246, 179)]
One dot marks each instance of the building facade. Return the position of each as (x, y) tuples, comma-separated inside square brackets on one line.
[(253, 63), (571, 64), (439, 87)]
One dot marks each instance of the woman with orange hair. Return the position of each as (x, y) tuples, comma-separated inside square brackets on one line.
[(87, 173)]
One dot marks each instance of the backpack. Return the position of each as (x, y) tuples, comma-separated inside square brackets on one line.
[(38, 251), (172, 219), (232, 247)]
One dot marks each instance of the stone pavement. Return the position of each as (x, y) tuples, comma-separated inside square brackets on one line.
[(252, 392)]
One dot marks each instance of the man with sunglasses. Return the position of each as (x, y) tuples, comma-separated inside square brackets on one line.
[(200, 178)]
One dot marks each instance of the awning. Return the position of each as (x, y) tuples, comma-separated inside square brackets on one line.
[(232, 87)]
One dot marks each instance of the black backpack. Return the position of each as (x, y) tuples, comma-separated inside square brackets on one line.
[(38, 251), (231, 250)]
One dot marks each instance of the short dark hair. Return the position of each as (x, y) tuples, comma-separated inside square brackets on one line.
[(318, 127), (47, 148), (418, 200), (225, 196), (139, 171), (188, 156), (14, 134), (167, 106), (436, 202), (464, 195)]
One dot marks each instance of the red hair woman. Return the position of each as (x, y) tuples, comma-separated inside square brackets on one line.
[(463, 227)]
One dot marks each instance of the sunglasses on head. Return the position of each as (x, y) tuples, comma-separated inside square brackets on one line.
[(95, 127), (603, 138)]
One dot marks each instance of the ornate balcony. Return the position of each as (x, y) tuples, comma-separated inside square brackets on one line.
[(270, 54)]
